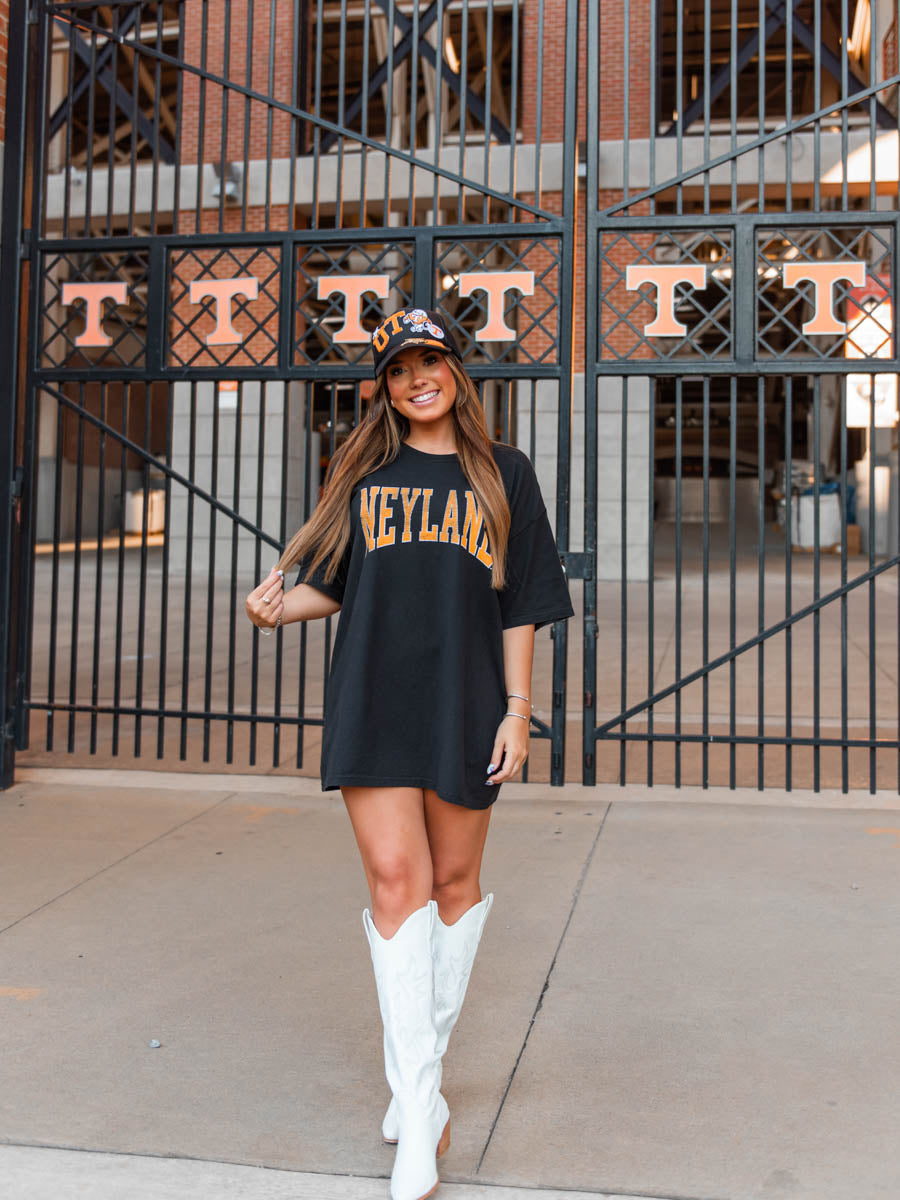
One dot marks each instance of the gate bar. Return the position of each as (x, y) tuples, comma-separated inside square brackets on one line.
[(11, 477), (559, 630)]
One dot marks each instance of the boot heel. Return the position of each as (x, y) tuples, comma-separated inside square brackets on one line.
[(444, 1143)]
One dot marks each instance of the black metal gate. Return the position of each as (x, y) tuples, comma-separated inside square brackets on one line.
[(207, 205), (758, 169), (207, 208)]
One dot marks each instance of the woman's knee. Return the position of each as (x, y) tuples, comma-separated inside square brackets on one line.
[(453, 886), (398, 880)]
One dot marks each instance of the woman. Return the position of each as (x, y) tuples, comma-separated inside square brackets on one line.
[(435, 545)]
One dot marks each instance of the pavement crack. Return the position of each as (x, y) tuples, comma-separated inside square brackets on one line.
[(123, 858), (540, 1000)]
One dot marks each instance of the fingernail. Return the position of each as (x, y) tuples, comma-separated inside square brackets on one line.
[(492, 767), (489, 782), (281, 573)]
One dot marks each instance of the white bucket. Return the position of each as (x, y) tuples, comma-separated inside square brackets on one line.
[(803, 520), (156, 511)]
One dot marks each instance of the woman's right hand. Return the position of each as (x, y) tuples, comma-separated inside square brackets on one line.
[(265, 604)]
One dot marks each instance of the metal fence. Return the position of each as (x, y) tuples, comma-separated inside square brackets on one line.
[(759, 148), (623, 211), (171, 438)]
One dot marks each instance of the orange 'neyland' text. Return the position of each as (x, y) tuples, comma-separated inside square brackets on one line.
[(395, 516)]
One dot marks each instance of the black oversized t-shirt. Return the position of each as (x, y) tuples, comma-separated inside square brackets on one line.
[(417, 689)]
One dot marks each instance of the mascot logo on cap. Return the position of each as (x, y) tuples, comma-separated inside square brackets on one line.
[(417, 320)]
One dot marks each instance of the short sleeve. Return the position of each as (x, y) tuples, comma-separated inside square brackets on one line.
[(335, 589), (536, 591)]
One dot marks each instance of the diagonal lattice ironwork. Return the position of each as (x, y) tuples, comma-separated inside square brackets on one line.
[(256, 320), (535, 318), (707, 313), (125, 325), (781, 312), (317, 321)]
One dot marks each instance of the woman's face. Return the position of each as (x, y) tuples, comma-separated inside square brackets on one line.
[(421, 385)]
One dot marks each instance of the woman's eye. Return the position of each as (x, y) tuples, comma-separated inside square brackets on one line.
[(430, 359)]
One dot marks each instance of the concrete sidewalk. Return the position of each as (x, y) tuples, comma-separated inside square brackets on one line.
[(678, 994)]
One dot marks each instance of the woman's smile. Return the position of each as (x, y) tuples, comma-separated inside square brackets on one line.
[(426, 397)]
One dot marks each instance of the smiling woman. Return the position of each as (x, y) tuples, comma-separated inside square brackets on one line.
[(435, 544)]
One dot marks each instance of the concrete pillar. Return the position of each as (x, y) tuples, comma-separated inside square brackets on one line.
[(274, 395), (609, 466)]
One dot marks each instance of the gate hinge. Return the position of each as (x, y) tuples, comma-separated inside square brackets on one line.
[(33, 15), (557, 699), (25, 249), (589, 760), (18, 484), (577, 564), (588, 699), (556, 760)]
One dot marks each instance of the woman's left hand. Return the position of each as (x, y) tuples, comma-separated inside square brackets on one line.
[(512, 737)]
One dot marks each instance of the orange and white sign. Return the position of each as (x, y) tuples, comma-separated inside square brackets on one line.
[(823, 276), (353, 288), (223, 291), (496, 284), (665, 279), (93, 295)]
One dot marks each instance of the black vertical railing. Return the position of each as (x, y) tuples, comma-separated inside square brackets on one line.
[(19, 85), (732, 126), (412, 143), (183, 140)]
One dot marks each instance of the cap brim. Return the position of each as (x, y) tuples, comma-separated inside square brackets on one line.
[(413, 341)]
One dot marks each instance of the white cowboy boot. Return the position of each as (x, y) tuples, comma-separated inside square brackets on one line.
[(454, 953), (404, 976)]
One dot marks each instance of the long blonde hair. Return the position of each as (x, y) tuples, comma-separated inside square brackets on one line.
[(376, 441)]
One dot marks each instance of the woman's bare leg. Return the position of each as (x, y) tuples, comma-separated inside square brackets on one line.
[(456, 837), (389, 825)]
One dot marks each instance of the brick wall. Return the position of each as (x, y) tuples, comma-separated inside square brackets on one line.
[(611, 98), (227, 55)]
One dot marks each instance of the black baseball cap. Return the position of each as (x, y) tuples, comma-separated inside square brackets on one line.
[(410, 327)]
